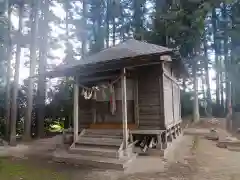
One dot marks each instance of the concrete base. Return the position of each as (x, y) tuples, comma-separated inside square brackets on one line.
[(149, 152), (154, 162), (92, 161)]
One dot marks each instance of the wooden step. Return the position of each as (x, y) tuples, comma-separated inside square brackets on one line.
[(93, 161), (149, 127), (95, 151), (226, 143), (99, 141), (104, 132), (233, 148), (102, 136)]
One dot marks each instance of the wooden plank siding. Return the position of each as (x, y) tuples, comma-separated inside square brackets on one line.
[(86, 115), (85, 118), (168, 101), (171, 94), (104, 109), (85, 112), (150, 102), (176, 100), (155, 103)]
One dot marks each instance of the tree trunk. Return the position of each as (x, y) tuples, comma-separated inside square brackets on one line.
[(204, 93), (196, 115), (107, 23), (67, 10), (84, 51), (161, 7), (66, 122), (184, 85), (214, 23), (41, 94), (16, 77), (208, 90), (217, 82), (226, 59), (222, 93), (114, 30), (228, 85), (68, 45), (33, 59), (202, 85), (122, 31), (9, 73), (99, 37), (137, 19)]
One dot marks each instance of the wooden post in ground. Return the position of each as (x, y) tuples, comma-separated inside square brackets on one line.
[(94, 111), (136, 103), (75, 110), (124, 108)]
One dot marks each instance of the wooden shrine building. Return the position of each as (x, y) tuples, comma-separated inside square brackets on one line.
[(126, 100)]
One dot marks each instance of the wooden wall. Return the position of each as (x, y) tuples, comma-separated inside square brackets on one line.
[(158, 96), (168, 101), (103, 114), (85, 112), (103, 109), (158, 99), (171, 94), (151, 115)]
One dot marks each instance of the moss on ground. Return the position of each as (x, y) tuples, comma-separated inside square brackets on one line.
[(13, 169)]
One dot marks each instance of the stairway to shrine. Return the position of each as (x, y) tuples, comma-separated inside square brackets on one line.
[(101, 148)]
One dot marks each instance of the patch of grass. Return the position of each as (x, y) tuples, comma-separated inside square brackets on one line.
[(12, 169)]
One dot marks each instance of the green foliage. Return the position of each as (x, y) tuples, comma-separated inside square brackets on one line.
[(55, 126)]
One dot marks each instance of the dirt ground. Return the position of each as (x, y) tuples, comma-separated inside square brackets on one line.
[(198, 159), (177, 167), (195, 159), (215, 163)]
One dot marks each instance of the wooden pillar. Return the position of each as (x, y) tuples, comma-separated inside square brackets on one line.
[(124, 108), (136, 103), (180, 105), (94, 111), (75, 110)]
